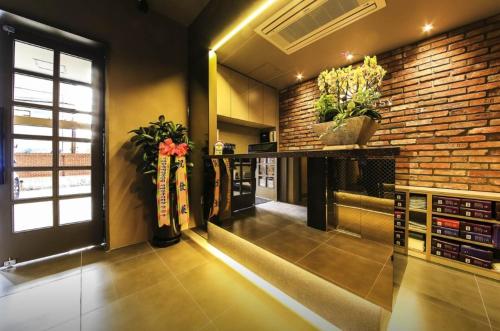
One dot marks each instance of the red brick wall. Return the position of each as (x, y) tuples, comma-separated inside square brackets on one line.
[(445, 112)]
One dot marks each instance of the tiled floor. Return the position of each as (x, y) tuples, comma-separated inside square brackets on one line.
[(358, 265), (138, 288)]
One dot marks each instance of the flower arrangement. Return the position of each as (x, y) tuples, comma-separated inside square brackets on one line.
[(160, 137), (350, 92)]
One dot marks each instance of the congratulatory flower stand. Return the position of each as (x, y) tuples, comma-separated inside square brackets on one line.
[(162, 148)]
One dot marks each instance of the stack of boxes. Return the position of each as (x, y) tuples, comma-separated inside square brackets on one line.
[(476, 231), (399, 218)]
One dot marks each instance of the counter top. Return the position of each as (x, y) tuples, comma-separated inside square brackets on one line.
[(341, 153)]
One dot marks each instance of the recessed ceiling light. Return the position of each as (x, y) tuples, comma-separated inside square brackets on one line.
[(427, 27), (299, 76)]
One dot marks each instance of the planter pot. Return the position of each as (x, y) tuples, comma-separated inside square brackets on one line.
[(167, 235), (355, 131)]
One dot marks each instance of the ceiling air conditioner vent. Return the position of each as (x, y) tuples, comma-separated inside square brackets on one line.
[(302, 22)]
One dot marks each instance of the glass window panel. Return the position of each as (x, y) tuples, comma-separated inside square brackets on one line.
[(32, 153), (73, 153), (76, 68), (32, 184), (32, 121), (74, 182), (33, 58), (76, 97), (32, 90), (34, 215), (75, 210), (246, 188), (246, 172), (75, 125)]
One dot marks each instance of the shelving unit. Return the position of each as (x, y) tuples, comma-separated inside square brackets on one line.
[(429, 193)]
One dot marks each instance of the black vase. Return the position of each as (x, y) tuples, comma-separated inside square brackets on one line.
[(167, 235)]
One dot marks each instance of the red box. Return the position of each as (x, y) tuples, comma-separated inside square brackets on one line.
[(477, 204), (445, 222), (486, 214), (474, 227), (446, 201), (446, 209), (399, 215)]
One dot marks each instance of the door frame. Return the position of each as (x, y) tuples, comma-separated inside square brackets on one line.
[(94, 232)]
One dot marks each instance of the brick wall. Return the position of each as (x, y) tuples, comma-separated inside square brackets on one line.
[(445, 112)]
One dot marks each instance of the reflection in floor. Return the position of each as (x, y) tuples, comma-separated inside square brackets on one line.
[(361, 266)]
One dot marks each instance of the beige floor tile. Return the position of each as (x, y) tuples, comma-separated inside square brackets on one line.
[(490, 292), (159, 307), (217, 288), (303, 230), (362, 247), (382, 290), (443, 286), (183, 256), (111, 281), (41, 307), (347, 270), (97, 257), (251, 229), (262, 313), (288, 245), (28, 276), (415, 312)]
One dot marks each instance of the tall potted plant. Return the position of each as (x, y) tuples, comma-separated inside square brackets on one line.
[(162, 148), (346, 109)]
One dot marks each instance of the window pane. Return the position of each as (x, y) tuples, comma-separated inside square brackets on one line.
[(75, 210), (33, 58), (35, 215), (32, 121), (74, 182), (75, 125), (76, 68), (32, 153), (32, 184), (74, 153), (76, 97), (32, 90)]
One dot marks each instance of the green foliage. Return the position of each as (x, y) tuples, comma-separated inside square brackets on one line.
[(350, 92), (147, 140)]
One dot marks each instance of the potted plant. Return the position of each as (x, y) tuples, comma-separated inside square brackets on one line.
[(162, 148), (346, 109)]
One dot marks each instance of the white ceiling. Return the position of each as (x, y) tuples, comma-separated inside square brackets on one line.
[(181, 11), (399, 24)]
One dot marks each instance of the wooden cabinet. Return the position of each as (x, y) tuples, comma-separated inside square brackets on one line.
[(245, 100), (270, 106), (239, 96), (255, 102), (223, 91)]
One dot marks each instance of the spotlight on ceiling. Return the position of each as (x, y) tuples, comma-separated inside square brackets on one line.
[(427, 27), (143, 5), (299, 76)]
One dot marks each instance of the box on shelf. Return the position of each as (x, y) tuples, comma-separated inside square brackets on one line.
[(399, 242), (475, 252), (399, 223), (399, 234), (446, 222), (445, 245), (477, 204), (475, 227), (486, 214), (444, 253), (400, 196), (496, 235), (445, 231), (475, 261), (399, 215), (446, 209), (481, 238), (445, 201), (399, 204)]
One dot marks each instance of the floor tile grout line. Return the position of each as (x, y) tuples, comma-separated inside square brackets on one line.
[(183, 287), (378, 276), (484, 304)]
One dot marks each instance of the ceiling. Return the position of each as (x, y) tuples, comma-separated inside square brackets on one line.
[(399, 23), (181, 11)]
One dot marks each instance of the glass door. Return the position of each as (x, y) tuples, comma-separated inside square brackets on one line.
[(52, 196)]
